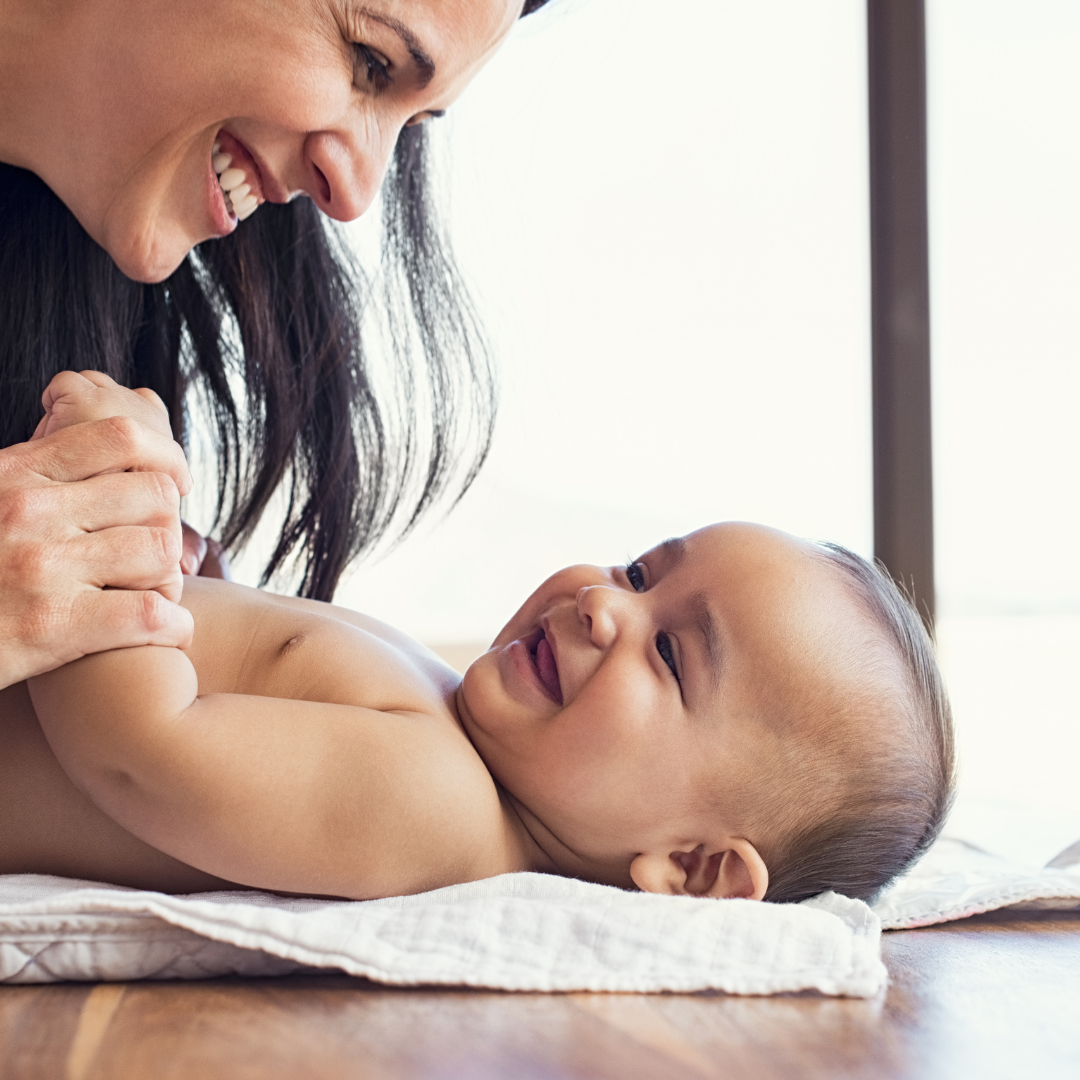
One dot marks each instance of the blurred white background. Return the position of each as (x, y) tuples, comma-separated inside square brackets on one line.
[(1004, 93), (662, 209), (664, 221)]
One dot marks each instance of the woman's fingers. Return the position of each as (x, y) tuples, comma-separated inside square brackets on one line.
[(103, 502), (45, 635), (122, 557), (115, 444), (129, 557), (122, 619), (89, 552)]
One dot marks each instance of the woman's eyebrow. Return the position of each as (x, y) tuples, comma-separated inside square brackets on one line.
[(420, 57)]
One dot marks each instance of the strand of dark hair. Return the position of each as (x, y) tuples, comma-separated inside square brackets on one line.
[(280, 303)]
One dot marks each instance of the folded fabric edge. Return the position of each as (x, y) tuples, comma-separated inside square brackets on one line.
[(980, 907), (865, 979)]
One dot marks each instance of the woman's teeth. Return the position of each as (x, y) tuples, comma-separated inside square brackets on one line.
[(238, 197)]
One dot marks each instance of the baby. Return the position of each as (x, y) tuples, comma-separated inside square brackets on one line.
[(737, 713)]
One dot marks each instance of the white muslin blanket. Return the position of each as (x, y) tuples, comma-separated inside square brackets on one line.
[(955, 879), (516, 932)]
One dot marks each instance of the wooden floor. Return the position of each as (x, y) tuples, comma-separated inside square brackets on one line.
[(993, 996)]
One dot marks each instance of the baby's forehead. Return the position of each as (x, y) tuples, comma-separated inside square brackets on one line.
[(757, 554), (787, 613)]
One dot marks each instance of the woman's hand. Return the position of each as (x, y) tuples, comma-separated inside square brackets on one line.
[(90, 539), (77, 397)]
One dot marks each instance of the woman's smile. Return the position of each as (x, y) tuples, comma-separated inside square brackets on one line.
[(239, 177)]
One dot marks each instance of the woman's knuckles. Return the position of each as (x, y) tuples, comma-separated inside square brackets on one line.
[(32, 569), (113, 445), (25, 510), (121, 618), (127, 436), (155, 611), (133, 553)]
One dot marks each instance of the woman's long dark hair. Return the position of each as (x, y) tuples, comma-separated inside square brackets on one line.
[(278, 303)]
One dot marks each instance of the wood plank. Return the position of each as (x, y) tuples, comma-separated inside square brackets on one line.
[(992, 996)]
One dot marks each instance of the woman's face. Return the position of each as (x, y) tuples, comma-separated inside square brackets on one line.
[(307, 97)]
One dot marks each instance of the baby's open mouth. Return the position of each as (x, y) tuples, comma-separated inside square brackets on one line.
[(237, 176), (544, 660)]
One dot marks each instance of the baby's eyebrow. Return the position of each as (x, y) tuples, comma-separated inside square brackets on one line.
[(673, 550), (706, 624)]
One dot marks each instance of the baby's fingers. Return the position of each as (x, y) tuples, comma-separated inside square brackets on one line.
[(76, 397)]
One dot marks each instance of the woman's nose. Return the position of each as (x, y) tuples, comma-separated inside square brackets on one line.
[(599, 609), (345, 171)]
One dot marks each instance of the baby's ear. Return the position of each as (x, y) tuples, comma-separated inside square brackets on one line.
[(734, 869)]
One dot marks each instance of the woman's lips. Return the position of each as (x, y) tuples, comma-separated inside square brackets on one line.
[(223, 221)]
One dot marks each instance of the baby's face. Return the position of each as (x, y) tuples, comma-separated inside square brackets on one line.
[(625, 708)]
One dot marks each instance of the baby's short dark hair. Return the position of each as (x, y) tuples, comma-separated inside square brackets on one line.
[(894, 802)]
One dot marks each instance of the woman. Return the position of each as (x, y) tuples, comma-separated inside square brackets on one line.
[(135, 137)]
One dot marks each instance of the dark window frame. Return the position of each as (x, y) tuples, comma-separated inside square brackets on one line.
[(900, 297)]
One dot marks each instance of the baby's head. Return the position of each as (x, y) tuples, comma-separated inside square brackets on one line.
[(737, 713)]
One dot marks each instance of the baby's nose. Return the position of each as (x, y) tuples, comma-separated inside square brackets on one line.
[(597, 606)]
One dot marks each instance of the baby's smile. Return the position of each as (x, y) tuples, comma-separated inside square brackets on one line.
[(546, 669)]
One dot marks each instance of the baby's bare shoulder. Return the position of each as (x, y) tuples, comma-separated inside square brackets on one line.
[(252, 642), (357, 724)]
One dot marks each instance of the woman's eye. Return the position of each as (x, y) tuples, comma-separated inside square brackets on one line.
[(636, 576), (663, 647), (373, 66)]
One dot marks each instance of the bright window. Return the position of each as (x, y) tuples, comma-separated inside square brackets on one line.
[(1004, 94)]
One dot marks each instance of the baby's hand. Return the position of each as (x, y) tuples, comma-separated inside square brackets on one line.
[(77, 397)]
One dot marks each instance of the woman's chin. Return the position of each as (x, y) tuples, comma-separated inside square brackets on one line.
[(148, 253), (149, 267)]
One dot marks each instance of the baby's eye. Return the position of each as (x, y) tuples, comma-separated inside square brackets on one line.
[(663, 647), (635, 576)]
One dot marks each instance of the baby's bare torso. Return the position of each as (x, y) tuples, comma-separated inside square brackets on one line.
[(246, 642)]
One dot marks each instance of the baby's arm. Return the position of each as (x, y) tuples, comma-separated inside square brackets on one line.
[(297, 796)]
